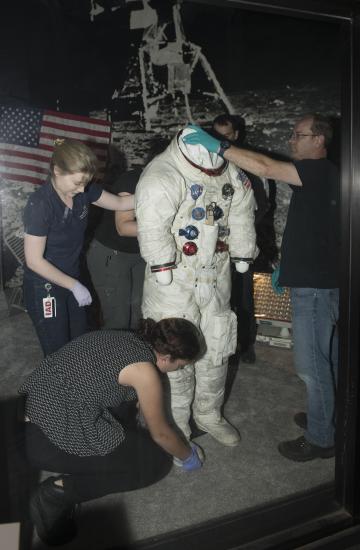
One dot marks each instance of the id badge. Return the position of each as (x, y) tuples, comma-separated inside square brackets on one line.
[(49, 307)]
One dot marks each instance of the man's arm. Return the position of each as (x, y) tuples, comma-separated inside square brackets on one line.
[(256, 163), (263, 166)]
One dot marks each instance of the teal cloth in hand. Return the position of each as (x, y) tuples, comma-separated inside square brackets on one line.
[(275, 282), (200, 137)]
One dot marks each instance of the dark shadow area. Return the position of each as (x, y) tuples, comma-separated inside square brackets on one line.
[(21, 479)]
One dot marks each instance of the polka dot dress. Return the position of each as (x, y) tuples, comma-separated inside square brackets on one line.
[(68, 396)]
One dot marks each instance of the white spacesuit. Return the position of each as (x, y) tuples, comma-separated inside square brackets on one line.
[(194, 212)]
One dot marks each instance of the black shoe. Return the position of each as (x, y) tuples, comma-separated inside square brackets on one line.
[(248, 356), (51, 514), (300, 450), (300, 420)]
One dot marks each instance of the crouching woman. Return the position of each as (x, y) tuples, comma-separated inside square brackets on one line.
[(78, 423)]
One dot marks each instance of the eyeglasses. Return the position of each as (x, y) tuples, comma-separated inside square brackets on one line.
[(298, 135)]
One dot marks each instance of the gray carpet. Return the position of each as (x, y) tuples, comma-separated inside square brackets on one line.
[(262, 401)]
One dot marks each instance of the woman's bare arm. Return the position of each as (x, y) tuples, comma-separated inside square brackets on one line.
[(34, 248), (145, 380), (115, 202), (125, 222)]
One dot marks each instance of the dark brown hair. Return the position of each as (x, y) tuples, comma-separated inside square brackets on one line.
[(321, 126), (174, 336)]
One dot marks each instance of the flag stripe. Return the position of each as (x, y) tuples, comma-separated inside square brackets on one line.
[(22, 178), (4, 154), (74, 129), (21, 166), (49, 138), (27, 138), (67, 116), (47, 143)]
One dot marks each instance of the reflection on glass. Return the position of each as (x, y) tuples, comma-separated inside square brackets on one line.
[(181, 72)]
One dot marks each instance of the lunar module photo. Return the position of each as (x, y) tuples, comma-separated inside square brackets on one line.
[(168, 77)]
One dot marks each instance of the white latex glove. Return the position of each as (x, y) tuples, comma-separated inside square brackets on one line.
[(164, 277), (194, 461), (82, 295), (241, 267)]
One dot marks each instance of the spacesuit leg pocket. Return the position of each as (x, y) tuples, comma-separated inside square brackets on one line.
[(207, 243), (205, 279), (205, 285), (222, 341)]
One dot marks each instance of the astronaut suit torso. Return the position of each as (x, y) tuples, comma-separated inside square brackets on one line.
[(191, 223)]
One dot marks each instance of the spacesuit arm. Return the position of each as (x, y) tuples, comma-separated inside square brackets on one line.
[(242, 238), (157, 200)]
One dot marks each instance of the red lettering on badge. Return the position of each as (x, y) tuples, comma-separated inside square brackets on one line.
[(49, 307)]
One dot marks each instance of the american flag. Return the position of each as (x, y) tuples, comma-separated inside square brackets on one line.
[(27, 140), (243, 178)]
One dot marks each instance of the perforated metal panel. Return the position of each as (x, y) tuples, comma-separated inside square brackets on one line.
[(272, 312)]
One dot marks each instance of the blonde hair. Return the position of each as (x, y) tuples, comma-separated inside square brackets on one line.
[(71, 156)]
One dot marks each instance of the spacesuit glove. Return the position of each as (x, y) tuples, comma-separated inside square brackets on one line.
[(241, 267), (193, 462), (275, 282), (81, 294), (200, 137), (164, 277)]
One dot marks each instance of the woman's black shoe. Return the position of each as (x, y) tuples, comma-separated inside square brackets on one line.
[(52, 516)]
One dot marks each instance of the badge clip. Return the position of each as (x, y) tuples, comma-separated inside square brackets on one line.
[(49, 303)]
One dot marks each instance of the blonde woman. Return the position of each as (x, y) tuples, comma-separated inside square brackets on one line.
[(55, 220)]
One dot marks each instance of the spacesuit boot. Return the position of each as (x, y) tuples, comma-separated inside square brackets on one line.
[(182, 384), (209, 397)]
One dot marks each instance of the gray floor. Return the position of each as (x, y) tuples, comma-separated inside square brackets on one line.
[(262, 401)]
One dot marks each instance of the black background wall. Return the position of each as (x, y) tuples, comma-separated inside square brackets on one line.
[(52, 54)]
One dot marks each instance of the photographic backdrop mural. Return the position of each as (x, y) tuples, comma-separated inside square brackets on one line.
[(146, 68)]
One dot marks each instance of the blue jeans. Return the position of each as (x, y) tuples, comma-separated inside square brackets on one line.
[(70, 320), (315, 313)]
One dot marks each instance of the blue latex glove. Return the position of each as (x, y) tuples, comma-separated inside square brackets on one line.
[(193, 462), (82, 295), (200, 137), (275, 282)]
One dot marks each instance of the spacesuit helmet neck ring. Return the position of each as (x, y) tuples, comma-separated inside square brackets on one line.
[(196, 155)]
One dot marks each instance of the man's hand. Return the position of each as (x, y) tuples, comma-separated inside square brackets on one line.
[(200, 137), (275, 282)]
